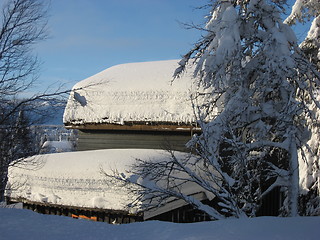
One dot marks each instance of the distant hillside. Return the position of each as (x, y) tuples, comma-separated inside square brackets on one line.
[(47, 113)]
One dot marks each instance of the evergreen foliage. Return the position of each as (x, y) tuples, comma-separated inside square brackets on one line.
[(258, 94)]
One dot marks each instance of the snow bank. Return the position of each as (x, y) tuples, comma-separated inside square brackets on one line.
[(138, 92), (75, 178), (25, 225)]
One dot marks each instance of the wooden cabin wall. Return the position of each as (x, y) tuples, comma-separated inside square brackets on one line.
[(185, 214), (94, 140), (100, 215)]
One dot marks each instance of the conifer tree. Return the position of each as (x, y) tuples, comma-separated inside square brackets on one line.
[(266, 84), (253, 105), (309, 158)]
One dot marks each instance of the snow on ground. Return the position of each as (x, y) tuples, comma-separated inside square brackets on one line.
[(75, 178), (24, 224), (133, 92)]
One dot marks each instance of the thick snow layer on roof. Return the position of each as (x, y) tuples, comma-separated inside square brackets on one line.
[(75, 178), (138, 92)]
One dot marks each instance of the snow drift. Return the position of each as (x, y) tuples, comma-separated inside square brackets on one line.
[(24, 224)]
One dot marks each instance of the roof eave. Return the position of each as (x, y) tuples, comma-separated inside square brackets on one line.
[(136, 126)]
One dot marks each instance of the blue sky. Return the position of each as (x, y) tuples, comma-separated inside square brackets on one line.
[(88, 36)]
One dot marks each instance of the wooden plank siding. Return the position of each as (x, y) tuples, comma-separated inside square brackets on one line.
[(95, 214), (94, 140)]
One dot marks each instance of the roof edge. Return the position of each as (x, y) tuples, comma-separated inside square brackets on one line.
[(137, 126)]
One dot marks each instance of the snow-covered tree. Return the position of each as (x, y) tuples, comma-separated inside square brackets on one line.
[(270, 85), (254, 64), (256, 89), (304, 10)]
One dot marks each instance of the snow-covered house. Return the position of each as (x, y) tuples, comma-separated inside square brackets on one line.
[(72, 184), (134, 105), (126, 112), (56, 147)]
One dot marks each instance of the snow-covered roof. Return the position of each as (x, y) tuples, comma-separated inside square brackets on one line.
[(75, 178), (134, 92)]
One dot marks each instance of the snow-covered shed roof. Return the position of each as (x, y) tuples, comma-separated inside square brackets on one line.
[(56, 146), (135, 92), (75, 179)]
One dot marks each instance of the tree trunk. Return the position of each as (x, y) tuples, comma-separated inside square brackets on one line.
[(293, 189)]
